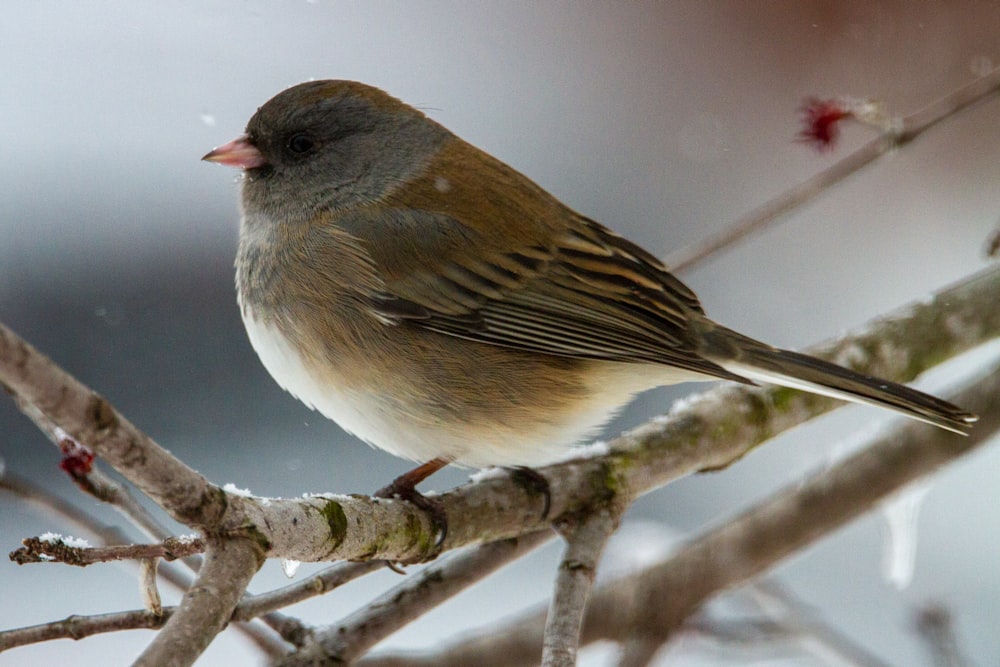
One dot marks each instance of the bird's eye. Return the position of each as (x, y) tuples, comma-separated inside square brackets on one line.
[(300, 144)]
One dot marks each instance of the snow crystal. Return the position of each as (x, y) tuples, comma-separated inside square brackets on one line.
[(68, 540), (236, 491)]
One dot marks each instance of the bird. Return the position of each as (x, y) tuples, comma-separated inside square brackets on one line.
[(442, 306)]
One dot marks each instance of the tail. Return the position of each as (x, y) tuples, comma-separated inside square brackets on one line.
[(758, 361)]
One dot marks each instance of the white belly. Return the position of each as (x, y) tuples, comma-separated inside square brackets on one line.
[(355, 412), (375, 416)]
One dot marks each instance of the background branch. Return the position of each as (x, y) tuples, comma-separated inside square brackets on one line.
[(344, 642), (774, 210)]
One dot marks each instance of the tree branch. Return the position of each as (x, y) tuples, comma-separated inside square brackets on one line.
[(772, 211), (41, 550), (41, 388), (321, 583), (586, 535), (92, 480), (207, 606), (77, 627), (345, 641)]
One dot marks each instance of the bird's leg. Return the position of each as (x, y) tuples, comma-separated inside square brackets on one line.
[(404, 487)]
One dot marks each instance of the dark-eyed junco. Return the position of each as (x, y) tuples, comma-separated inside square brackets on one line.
[(440, 305)]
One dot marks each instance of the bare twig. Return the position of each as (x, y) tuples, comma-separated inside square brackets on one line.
[(770, 212), (93, 481), (207, 606), (147, 586), (80, 627), (812, 630), (586, 535), (38, 550), (358, 632), (75, 626), (253, 606), (56, 506)]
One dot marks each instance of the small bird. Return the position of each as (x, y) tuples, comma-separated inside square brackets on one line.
[(440, 305)]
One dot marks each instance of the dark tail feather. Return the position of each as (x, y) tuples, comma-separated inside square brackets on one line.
[(758, 361)]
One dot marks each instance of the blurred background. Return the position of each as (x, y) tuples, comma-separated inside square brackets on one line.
[(665, 121)]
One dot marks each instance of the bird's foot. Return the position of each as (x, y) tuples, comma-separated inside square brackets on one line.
[(404, 488), (534, 483)]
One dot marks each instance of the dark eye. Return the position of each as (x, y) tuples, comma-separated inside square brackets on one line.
[(300, 144)]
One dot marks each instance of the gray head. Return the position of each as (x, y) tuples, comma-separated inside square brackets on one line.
[(327, 145)]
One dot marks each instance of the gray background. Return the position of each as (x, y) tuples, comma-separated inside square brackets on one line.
[(665, 121)]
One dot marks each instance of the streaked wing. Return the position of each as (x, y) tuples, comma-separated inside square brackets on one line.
[(588, 294)]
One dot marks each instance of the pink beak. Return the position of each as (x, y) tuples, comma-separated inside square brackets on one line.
[(237, 153)]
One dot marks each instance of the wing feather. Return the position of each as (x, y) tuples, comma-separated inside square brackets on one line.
[(588, 294)]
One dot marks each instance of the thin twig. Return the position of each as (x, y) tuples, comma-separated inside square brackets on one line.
[(263, 607), (50, 396), (39, 550), (85, 522), (79, 627), (56, 506), (586, 536), (319, 583), (772, 211), (786, 609), (207, 605), (352, 637), (96, 483), (251, 607)]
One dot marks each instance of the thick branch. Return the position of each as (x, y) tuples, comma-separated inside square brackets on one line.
[(207, 606), (798, 515)]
